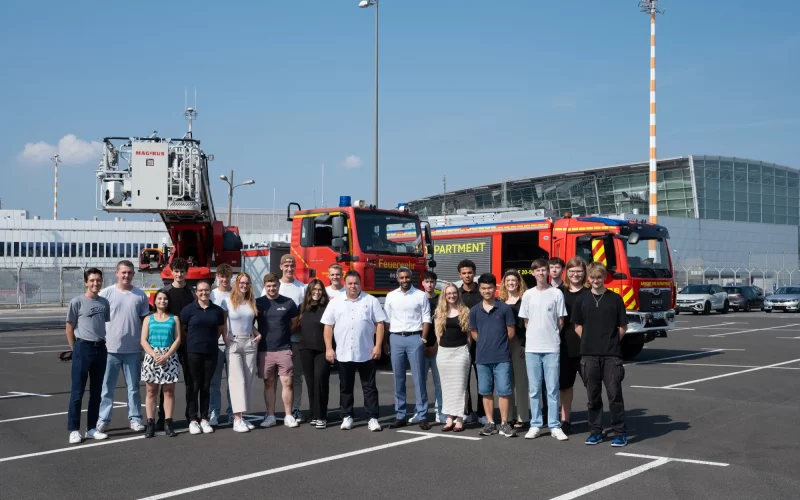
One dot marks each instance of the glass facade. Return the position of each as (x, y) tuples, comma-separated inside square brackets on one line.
[(727, 189)]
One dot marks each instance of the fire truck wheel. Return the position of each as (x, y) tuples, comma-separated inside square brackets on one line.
[(630, 351)]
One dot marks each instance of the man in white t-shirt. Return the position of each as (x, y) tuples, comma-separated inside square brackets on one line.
[(544, 311), (295, 290), (222, 292), (336, 288), (129, 307)]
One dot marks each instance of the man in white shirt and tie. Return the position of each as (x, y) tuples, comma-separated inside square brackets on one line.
[(408, 313), (356, 321)]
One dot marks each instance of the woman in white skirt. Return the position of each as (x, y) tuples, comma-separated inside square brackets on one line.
[(241, 348), (452, 334), (160, 339)]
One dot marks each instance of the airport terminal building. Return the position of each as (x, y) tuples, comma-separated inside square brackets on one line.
[(720, 211)]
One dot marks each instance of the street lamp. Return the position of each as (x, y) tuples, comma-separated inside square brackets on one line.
[(364, 4), (231, 187)]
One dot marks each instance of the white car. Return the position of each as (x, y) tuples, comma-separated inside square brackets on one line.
[(702, 299)]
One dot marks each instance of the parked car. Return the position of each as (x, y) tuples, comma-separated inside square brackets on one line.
[(785, 298), (744, 298), (702, 299)]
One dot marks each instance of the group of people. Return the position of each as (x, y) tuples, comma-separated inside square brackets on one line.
[(526, 347)]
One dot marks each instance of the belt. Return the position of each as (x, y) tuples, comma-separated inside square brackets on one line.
[(407, 334), (95, 343)]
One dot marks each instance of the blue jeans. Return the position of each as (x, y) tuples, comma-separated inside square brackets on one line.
[(494, 377), (410, 348), (216, 386), (131, 365), (88, 363), (549, 363), (430, 363)]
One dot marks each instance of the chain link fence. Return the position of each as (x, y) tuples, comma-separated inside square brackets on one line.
[(25, 286), (767, 278)]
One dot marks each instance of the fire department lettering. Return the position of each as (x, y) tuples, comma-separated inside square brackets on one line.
[(150, 153), (388, 264), (460, 248)]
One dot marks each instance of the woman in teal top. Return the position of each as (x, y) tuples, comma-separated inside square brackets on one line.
[(160, 340)]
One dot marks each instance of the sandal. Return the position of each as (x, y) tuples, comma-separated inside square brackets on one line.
[(447, 428), (458, 428)]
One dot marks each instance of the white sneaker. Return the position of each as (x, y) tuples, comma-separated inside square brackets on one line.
[(438, 419), (214, 420), (249, 425), (269, 421), (194, 428), (96, 434), (207, 429), (533, 433), (374, 425), (413, 419), (240, 426), (137, 426), (558, 434), (102, 426), (483, 420), (347, 423), (75, 437), (289, 421)]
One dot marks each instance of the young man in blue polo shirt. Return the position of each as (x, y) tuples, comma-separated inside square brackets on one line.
[(491, 325)]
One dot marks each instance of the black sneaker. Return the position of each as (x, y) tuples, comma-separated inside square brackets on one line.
[(168, 430), (150, 429), (566, 427), (398, 423), (488, 429), (424, 425), (506, 430)]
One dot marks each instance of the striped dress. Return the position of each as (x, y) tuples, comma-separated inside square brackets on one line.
[(160, 336)]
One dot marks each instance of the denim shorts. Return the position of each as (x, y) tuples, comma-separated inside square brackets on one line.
[(493, 376)]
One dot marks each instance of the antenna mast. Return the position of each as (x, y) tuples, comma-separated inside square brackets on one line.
[(190, 113)]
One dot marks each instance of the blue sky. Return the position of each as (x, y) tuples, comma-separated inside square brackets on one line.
[(477, 91)]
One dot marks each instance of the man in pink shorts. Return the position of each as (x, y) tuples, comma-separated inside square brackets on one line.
[(276, 319)]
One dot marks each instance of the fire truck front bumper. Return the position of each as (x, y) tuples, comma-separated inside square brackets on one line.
[(655, 323)]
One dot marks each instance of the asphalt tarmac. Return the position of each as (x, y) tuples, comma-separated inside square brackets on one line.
[(711, 414)]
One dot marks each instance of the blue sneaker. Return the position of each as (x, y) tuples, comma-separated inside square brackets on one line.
[(594, 439), (620, 441)]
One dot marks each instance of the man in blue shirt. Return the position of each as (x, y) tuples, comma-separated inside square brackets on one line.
[(492, 324)]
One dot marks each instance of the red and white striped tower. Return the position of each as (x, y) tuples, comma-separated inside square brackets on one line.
[(651, 7), (55, 159)]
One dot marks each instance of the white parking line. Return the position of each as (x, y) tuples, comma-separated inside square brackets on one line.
[(34, 352), (30, 346), (679, 386), (451, 436), (29, 417), (715, 348), (653, 361), (656, 462), (706, 326), (654, 387), (753, 330), (15, 394), (795, 338), (277, 470), (730, 366)]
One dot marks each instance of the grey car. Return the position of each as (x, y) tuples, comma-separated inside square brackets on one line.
[(744, 298), (785, 298)]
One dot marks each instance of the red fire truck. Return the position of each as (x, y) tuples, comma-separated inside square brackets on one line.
[(635, 252)]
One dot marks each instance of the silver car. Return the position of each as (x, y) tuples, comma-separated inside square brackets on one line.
[(785, 298)]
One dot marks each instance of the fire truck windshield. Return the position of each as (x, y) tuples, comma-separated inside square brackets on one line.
[(642, 264), (390, 234)]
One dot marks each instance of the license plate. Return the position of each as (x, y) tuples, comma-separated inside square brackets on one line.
[(659, 315)]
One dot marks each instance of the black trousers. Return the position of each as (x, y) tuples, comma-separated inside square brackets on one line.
[(609, 371), (186, 385), (201, 370), (317, 373), (479, 405), (347, 381)]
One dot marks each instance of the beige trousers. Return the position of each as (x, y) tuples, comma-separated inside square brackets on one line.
[(241, 355)]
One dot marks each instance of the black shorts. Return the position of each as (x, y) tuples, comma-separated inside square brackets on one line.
[(570, 367)]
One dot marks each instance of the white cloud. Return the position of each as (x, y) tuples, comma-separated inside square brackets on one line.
[(70, 149), (352, 161)]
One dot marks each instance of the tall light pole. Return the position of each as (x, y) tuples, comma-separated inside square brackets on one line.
[(231, 187), (364, 4), (55, 159)]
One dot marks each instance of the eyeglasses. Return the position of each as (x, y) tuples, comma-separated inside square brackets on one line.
[(204, 291), (574, 273), (244, 283)]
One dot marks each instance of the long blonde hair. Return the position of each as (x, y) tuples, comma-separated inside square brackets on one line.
[(443, 308), (504, 290), (238, 299)]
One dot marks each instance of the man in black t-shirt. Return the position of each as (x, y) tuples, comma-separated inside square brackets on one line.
[(600, 320), (276, 320)]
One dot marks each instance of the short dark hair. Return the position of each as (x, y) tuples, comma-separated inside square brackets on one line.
[(202, 281), (271, 278), (179, 264), (556, 261), (429, 275), (538, 264), (466, 263), (352, 273), (224, 270), (125, 263), (487, 279), (89, 272)]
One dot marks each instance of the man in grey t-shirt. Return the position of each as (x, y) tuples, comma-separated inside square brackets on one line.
[(129, 306), (86, 333)]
